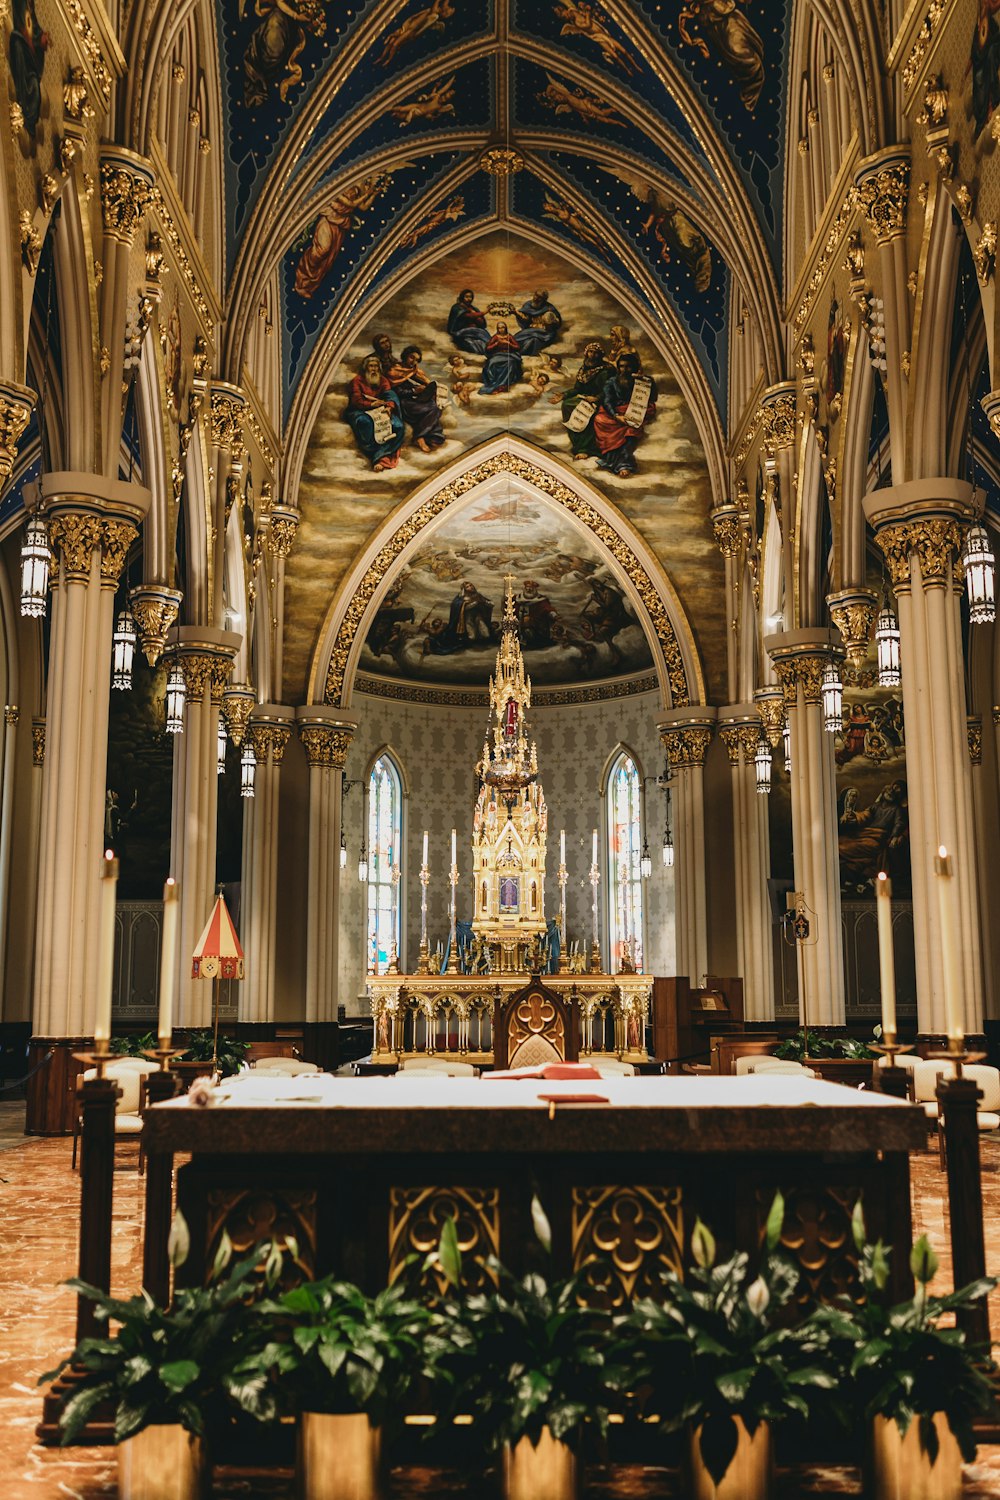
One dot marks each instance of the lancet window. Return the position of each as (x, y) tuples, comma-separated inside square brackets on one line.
[(624, 804), (385, 845)]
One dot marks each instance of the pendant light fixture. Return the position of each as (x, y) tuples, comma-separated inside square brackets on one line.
[(833, 699), (248, 771), (979, 564), (762, 766), (176, 694), (363, 862), (668, 846), (221, 766), (786, 737), (645, 863), (123, 644), (887, 647), (36, 560), (343, 851)]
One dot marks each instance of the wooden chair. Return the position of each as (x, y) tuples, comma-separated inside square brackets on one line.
[(534, 1026), (283, 1067), (130, 1074)]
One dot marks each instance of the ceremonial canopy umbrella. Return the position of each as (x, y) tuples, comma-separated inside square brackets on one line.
[(217, 955)]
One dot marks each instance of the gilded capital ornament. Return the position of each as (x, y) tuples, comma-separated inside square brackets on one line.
[(117, 536), (227, 407), (802, 669), (284, 523), (777, 420), (325, 745), (883, 193), (729, 734), (238, 703), (727, 529), (197, 667), (853, 612), (974, 731), (125, 196), (269, 738), (38, 742), (934, 541), (11, 715), (770, 703), (749, 739), (154, 609), (686, 745), (75, 535), (16, 405)]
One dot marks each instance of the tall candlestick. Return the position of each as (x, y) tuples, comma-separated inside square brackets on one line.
[(593, 858), (886, 961), (454, 848), (106, 950), (595, 950), (562, 846), (424, 860), (954, 1010), (168, 961)]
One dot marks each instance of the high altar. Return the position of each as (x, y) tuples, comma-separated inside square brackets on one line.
[(512, 950)]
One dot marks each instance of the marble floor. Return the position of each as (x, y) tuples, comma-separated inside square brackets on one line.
[(38, 1247)]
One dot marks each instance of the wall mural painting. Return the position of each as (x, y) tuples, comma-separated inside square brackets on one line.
[(335, 222), (583, 19), (872, 809), (984, 64), (440, 620), (139, 782), (271, 56), (719, 27), (26, 51)]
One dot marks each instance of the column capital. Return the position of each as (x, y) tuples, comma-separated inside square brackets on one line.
[(269, 731), (924, 519), (205, 656), (883, 190), (127, 182), (727, 528), (16, 405), (326, 735), (238, 703), (228, 403), (740, 731), (283, 523), (853, 612), (974, 732), (770, 705), (777, 416), (800, 658), (86, 512), (38, 742), (154, 607), (686, 735)]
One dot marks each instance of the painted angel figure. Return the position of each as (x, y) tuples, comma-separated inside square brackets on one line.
[(674, 232), (437, 101), (584, 19), (431, 18), (273, 50), (721, 26), (563, 213), (564, 100), (331, 229)]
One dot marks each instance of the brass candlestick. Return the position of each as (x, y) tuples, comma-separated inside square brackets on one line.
[(98, 1058), (595, 949), (424, 965), (892, 1080), (563, 955), (453, 945)]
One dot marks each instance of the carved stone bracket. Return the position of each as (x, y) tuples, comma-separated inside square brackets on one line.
[(238, 703), (883, 183), (853, 612), (154, 608), (16, 405), (284, 523), (778, 419), (228, 406), (727, 529), (126, 193), (770, 703), (117, 536)]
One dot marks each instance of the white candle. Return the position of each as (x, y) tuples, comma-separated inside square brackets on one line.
[(562, 846), (454, 848), (106, 949), (949, 947), (425, 848), (168, 961), (593, 859), (886, 961)]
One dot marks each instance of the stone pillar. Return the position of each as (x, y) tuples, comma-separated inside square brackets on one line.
[(326, 735), (740, 731), (270, 727), (800, 657), (92, 522), (918, 527), (883, 188), (205, 656), (727, 528), (686, 734)]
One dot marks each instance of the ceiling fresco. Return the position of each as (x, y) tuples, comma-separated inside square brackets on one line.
[(536, 348), (655, 120)]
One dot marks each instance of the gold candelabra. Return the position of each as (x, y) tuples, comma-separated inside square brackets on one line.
[(563, 955), (595, 948), (453, 945), (424, 966)]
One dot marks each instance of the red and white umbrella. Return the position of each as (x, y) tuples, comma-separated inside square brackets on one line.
[(218, 954)]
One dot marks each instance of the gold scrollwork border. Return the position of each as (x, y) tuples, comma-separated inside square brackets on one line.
[(584, 510)]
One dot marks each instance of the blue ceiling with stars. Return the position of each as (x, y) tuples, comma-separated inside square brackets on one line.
[(646, 127)]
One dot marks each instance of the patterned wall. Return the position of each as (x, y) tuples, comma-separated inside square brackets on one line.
[(438, 751)]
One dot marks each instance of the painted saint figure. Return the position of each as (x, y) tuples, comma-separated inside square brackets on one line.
[(274, 48), (374, 415), (732, 36), (580, 403), (984, 64), (417, 398), (467, 325), (503, 363), (535, 617), (623, 414), (26, 51), (335, 221), (539, 323)]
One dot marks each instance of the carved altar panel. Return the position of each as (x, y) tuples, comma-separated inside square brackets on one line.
[(816, 1233), (624, 1240), (252, 1215), (418, 1214)]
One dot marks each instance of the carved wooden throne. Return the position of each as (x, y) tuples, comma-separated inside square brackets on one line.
[(535, 1026)]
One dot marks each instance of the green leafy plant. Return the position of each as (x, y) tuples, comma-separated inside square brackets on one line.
[(804, 1044), (231, 1053), (325, 1346), (715, 1349), (167, 1365), (132, 1046), (898, 1360), (532, 1355)]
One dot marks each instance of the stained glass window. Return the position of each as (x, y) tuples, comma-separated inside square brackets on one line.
[(385, 822), (624, 802)]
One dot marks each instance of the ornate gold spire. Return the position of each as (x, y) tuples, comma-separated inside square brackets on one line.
[(511, 763)]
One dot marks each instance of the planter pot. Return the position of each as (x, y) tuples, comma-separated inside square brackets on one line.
[(899, 1469), (162, 1463), (339, 1457), (547, 1472), (749, 1474), (854, 1071)]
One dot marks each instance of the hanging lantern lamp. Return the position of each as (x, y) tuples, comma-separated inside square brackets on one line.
[(36, 560), (887, 648), (176, 694), (221, 766), (123, 651), (833, 700), (980, 573), (363, 862), (343, 851), (645, 863), (248, 771), (762, 766)]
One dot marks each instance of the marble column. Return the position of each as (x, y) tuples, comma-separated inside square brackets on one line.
[(326, 735), (205, 656), (800, 657), (92, 522), (740, 732), (270, 727), (918, 526), (686, 734)]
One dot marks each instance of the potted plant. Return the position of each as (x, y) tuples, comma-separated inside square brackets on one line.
[(839, 1059), (714, 1357), (917, 1383), (344, 1362), (230, 1055), (165, 1372), (536, 1368)]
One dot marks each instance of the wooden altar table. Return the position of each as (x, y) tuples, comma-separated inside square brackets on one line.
[(363, 1172)]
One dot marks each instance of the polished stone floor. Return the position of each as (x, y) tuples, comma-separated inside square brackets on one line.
[(38, 1232)]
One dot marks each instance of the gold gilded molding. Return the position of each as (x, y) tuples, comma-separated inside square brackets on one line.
[(269, 739), (238, 703), (833, 241), (417, 1216), (853, 612), (227, 412), (802, 669), (76, 96), (325, 745), (934, 542), (911, 68), (154, 608), (974, 732), (685, 744), (501, 161), (125, 197), (255, 427), (726, 529), (172, 235), (38, 742), (404, 692), (984, 253), (777, 422), (11, 715), (282, 529), (771, 707), (76, 535), (92, 49), (117, 537), (16, 405), (883, 195), (555, 489), (624, 1240)]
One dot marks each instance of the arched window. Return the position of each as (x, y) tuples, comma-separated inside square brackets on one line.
[(385, 844), (624, 799)]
